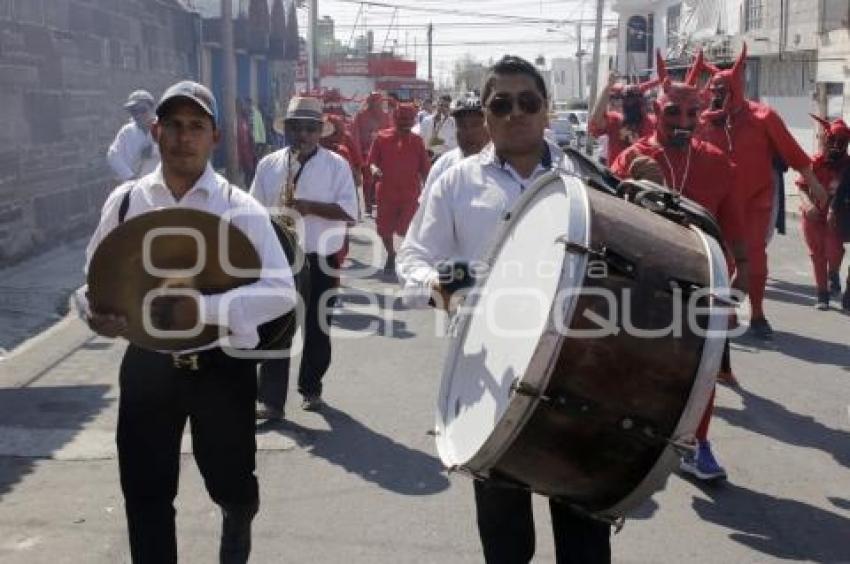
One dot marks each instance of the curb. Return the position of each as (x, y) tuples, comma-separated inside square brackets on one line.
[(33, 358)]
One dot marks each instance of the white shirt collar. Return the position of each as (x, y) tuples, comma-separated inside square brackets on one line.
[(207, 183), (488, 156)]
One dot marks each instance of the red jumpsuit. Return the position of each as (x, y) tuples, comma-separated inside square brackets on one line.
[(365, 127), (824, 241), (404, 165), (709, 182), (755, 136), (619, 135)]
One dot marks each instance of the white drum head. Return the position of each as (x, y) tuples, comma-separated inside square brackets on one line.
[(502, 322)]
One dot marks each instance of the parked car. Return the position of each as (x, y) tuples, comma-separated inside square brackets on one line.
[(563, 131)]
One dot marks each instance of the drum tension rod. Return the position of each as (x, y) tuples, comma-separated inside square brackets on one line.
[(611, 258)]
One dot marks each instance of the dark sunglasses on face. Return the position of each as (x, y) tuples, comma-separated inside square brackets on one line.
[(502, 104), (308, 127)]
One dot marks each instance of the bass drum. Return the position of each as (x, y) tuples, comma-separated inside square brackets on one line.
[(277, 334), (584, 357)]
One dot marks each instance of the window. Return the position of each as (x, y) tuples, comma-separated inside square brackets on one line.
[(636, 34), (753, 14), (674, 18), (835, 15)]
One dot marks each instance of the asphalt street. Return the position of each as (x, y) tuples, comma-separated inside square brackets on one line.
[(360, 482)]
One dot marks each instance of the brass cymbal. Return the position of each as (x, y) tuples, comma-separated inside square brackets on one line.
[(178, 239)]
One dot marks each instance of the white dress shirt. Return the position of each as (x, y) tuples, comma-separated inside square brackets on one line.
[(445, 130), (243, 311), (441, 165), (133, 153), (459, 215), (326, 178)]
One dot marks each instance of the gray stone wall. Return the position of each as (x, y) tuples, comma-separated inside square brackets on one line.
[(66, 67)]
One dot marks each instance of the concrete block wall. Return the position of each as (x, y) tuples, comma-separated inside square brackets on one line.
[(66, 67)]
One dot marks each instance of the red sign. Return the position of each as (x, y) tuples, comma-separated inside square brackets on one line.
[(370, 67)]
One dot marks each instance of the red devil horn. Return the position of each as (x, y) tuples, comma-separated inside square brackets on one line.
[(740, 63), (823, 123), (660, 66), (696, 69), (645, 87)]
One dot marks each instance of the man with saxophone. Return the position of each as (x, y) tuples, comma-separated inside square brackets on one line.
[(207, 385), (314, 187), (438, 130)]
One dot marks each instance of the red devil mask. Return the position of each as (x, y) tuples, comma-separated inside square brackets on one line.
[(677, 109), (837, 137), (726, 88), (632, 98), (405, 116)]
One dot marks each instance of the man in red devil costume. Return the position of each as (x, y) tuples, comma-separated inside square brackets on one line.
[(400, 163), (624, 128), (672, 156), (367, 123), (752, 135), (820, 225)]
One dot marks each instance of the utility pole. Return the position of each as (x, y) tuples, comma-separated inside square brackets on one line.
[(430, 50), (312, 50), (597, 43), (229, 89), (579, 55)]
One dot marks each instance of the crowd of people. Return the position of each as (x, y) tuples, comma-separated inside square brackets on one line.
[(441, 180)]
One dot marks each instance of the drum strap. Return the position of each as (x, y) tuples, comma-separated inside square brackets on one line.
[(125, 205)]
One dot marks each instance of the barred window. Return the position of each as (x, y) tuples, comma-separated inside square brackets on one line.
[(753, 14)]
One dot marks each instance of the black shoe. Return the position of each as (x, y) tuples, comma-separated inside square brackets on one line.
[(834, 284), (269, 413), (389, 267), (760, 329), (312, 403), (823, 301), (236, 533)]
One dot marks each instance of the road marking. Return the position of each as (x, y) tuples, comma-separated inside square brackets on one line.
[(94, 444)]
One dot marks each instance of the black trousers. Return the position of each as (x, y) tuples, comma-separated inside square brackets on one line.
[(316, 356), (506, 528), (157, 398)]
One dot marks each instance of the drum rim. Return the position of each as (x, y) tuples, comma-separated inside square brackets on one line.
[(712, 351), (520, 407)]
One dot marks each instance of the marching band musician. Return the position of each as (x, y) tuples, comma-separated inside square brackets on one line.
[(438, 130), (133, 153), (213, 390), (458, 215), (318, 185)]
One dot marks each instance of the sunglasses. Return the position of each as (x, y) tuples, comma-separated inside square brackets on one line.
[(308, 127), (502, 104)]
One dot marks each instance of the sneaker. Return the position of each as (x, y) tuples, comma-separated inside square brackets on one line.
[(760, 329), (727, 377), (834, 284), (268, 412), (702, 464), (312, 403), (823, 301)]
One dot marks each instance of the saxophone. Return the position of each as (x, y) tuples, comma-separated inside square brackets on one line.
[(287, 192)]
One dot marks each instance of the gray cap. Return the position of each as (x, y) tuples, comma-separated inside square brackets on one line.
[(193, 91), (139, 98)]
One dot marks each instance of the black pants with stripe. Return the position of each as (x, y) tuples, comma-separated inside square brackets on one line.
[(316, 356), (156, 400)]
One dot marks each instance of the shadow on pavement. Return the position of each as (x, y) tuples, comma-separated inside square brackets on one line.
[(774, 420), (646, 510), (809, 533), (372, 456), (812, 350), (36, 422), (790, 293)]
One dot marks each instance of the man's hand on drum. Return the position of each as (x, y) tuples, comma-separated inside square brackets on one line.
[(646, 168), (105, 324), (442, 297)]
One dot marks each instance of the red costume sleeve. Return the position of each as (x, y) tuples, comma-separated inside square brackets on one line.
[(783, 142), (424, 159), (620, 166)]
